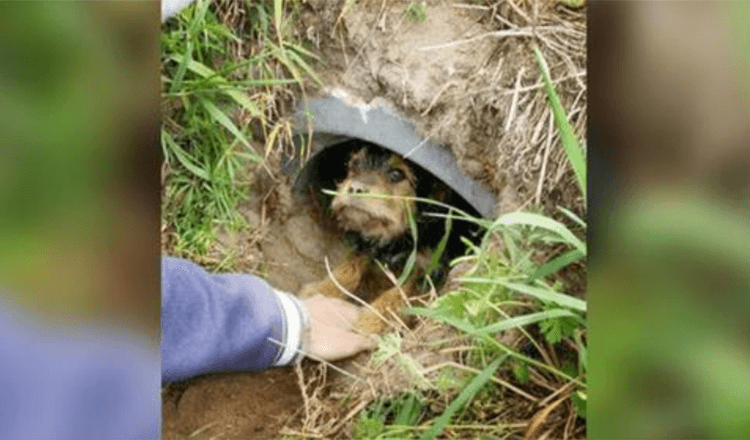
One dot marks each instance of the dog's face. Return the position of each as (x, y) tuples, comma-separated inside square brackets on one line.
[(375, 171)]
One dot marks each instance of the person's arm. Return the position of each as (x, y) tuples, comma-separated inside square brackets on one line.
[(220, 323), (75, 381)]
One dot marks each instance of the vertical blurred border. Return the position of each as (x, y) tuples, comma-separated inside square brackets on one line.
[(79, 182), (669, 281)]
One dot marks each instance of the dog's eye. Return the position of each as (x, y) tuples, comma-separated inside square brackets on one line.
[(396, 175)]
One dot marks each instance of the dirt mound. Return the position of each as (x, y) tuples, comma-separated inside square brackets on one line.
[(466, 76), (232, 406)]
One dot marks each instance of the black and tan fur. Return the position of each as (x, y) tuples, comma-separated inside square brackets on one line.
[(378, 229)]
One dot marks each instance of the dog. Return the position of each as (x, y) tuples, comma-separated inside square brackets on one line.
[(374, 205)]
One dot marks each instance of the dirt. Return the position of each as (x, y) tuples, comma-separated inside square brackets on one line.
[(462, 87), (232, 406), (468, 86)]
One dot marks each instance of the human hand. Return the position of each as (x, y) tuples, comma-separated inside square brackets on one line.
[(331, 336)]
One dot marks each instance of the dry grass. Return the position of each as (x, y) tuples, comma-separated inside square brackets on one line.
[(530, 156), (492, 111)]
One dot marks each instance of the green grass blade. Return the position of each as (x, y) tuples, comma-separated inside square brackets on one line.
[(469, 328), (198, 68), (541, 294), (237, 95), (303, 51), (224, 120), (183, 157), (540, 221), (307, 69), (571, 215), (583, 354), (181, 68), (567, 137), (200, 16), (445, 318), (409, 413), (280, 55), (438, 252), (665, 224), (524, 320), (278, 10), (411, 261), (463, 398), (556, 264), (202, 8)]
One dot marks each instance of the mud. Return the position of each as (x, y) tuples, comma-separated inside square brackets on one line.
[(232, 406)]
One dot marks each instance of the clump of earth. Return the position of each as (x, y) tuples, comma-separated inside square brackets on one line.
[(465, 75)]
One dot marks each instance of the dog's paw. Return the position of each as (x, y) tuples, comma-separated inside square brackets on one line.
[(370, 323)]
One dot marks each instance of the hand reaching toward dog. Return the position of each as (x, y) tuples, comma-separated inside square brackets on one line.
[(331, 336)]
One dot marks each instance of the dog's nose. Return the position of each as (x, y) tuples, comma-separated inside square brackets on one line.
[(358, 188)]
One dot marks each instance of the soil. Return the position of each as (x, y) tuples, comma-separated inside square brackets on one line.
[(462, 87), (228, 406)]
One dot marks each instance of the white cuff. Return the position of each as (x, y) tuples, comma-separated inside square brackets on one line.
[(296, 320)]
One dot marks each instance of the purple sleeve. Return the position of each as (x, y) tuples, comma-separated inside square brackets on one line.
[(75, 382), (217, 323)]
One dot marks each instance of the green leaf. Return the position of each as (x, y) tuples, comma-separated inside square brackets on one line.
[(368, 428), (556, 264), (523, 320), (551, 330), (200, 16), (181, 68), (567, 137), (183, 157), (539, 293), (554, 329), (583, 353), (579, 400), (540, 221), (411, 408), (438, 252), (409, 266), (310, 72), (571, 215), (388, 346), (463, 398), (237, 95), (521, 372), (278, 10), (222, 119)]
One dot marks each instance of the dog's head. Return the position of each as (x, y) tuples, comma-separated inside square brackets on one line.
[(365, 202)]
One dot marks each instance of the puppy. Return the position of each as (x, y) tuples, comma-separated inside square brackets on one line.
[(373, 205)]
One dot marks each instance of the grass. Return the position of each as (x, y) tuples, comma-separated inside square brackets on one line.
[(515, 283), (416, 12), (224, 91), (506, 289)]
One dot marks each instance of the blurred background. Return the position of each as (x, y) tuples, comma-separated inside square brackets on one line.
[(669, 281), (79, 202), (79, 167)]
